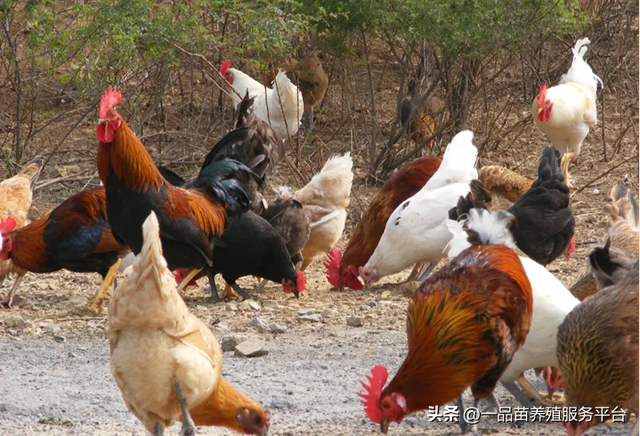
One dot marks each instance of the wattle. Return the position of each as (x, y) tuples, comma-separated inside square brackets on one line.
[(104, 133)]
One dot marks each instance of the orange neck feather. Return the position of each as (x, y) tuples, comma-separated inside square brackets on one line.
[(221, 409), (129, 161), (28, 247)]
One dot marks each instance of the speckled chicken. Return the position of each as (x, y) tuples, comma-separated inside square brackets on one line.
[(503, 182)]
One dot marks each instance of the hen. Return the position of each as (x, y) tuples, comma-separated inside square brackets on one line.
[(166, 362), (74, 236), (280, 106), (417, 231), (464, 324), (598, 353), (567, 111), (189, 218), (325, 199), (423, 125), (15, 202), (407, 181), (503, 182), (545, 221)]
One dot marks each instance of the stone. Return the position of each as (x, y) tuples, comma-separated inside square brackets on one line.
[(228, 342), (59, 338), (272, 304), (253, 305), (384, 295), (314, 317), (355, 321), (14, 321), (306, 311), (251, 348), (260, 324), (245, 306), (328, 313), (277, 328), (231, 307)]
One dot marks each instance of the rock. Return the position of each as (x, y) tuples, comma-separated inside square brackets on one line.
[(260, 324), (231, 307), (248, 305), (272, 304), (59, 338), (43, 286), (314, 317), (49, 328), (254, 305), (306, 311), (355, 321), (328, 313), (365, 307), (277, 328), (384, 295), (228, 342), (371, 303), (14, 321), (596, 191), (251, 348)]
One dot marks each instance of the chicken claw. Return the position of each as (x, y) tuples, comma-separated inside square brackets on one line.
[(188, 427), (8, 300), (95, 303), (533, 392)]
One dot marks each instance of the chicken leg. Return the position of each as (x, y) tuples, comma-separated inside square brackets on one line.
[(95, 303), (188, 427), (517, 394), (8, 300), (564, 164), (526, 386)]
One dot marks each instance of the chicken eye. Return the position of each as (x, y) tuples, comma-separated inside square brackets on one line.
[(257, 420)]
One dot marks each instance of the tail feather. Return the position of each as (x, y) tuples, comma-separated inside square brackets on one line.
[(482, 227), (478, 198), (458, 163), (30, 171), (580, 72), (623, 205), (549, 166)]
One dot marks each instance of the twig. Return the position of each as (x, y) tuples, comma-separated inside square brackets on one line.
[(372, 144), (635, 157), (61, 179)]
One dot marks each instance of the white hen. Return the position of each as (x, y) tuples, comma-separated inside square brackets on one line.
[(566, 112), (552, 302), (416, 231), (280, 106)]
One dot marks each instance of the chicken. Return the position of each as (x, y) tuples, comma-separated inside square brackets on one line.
[(15, 202), (280, 106), (597, 349), (551, 304), (464, 324), (567, 111), (189, 218), (74, 236), (166, 362), (416, 231), (344, 270), (503, 182), (545, 221), (423, 125), (621, 248), (325, 199), (251, 246)]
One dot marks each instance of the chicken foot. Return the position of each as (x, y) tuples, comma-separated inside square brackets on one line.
[(8, 300), (517, 394), (188, 427), (102, 294), (464, 425), (564, 164)]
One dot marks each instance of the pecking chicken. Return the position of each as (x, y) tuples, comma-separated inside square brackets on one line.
[(416, 231), (280, 106), (189, 217), (15, 201), (621, 248), (597, 349), (567, 111), (166, 362), (545, 221), (551, 304), (344, 270), (464, 324), (503, 182), (73, 236), (325, 199)]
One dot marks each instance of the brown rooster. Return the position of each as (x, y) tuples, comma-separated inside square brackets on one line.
[(464, 325), (343, 270), (166, 362), (597, 348)]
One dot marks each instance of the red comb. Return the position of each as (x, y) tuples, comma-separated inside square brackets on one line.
[(332, 264), (7, 225), (542, 95), (225, 66), (302, 282), (371, 399), (110, 99)]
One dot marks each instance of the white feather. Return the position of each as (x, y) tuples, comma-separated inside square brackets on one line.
[(580, 72)]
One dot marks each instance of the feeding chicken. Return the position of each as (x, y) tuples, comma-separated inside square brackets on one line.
[(597, 349), (166, 362), (621, 248), (503, 182), (325, 199), (280, 106), (417, 231), (567, 111), (344, 270), (15, 201), (551, 304), (464, 324)]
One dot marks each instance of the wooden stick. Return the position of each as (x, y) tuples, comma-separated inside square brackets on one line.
[(607, 172)]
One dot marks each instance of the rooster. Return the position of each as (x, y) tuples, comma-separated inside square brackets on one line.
[(166, 362), (567, 111), (189, 218), (406, 182), (416, 231), (551, 304), (280, 106), (597, 349), (73, 236), (464, 324)]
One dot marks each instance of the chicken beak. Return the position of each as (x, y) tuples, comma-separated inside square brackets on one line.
[(384, 426)]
